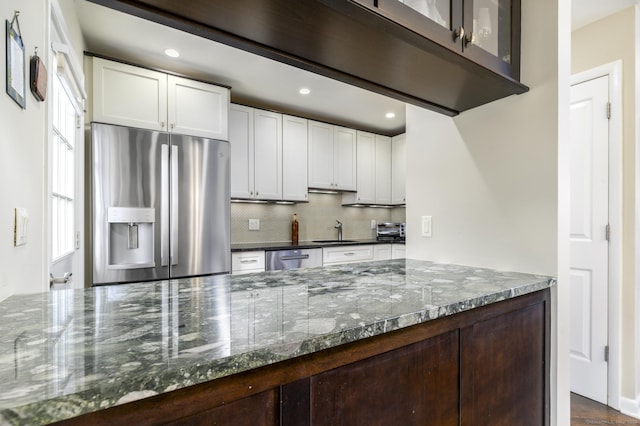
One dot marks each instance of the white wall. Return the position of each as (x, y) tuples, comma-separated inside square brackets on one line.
[(22, 163), (490, 177)]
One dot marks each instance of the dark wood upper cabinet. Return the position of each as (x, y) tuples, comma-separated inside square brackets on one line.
[(386, 46), (485, 31)]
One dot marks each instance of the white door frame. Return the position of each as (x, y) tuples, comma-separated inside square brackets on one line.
[(614, 71)]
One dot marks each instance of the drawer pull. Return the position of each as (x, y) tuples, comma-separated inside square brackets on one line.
[(249, 261), (349, 254)]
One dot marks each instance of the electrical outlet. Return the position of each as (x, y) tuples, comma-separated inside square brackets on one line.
[(254, 224), (426, 226)]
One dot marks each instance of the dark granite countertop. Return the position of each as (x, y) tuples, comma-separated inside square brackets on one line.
[(69, 352), (286, 245)]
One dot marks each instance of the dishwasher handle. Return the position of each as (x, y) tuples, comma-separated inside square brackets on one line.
[(295, 257)]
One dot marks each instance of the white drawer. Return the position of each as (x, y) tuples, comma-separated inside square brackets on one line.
[(346, 254), (243, 262)]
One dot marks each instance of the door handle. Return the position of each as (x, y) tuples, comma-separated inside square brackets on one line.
[(164, 204), (175, 203)]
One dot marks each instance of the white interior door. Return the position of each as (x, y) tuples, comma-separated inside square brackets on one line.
[(589, 244)]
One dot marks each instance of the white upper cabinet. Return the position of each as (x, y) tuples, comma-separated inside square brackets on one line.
[(137, 97), (267, 139), (383, 170), (197, 109), (294, 158), (242, 153), (256, 153), (129, 96), (321, 155), (332, 157), (374, 171), (344, 141), (366, 160), (398, 165)]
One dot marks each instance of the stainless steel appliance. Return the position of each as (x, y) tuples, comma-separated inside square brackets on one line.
[(160, 205), (391, 231), (293, 259)]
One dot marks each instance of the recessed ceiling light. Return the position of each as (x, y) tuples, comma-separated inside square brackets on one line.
[(173, 53), (304, 91), (390, 115)]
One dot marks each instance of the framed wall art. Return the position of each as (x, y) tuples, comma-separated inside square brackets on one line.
[(16, 87)]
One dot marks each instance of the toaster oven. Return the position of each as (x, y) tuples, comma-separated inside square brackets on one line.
[(390, 231)]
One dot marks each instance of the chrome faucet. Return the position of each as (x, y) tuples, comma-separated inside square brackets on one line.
[(339, 228)]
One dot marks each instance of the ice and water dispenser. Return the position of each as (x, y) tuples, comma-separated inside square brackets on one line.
[(131, 237)]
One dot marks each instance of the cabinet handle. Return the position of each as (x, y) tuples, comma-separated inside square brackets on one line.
[(162, 124), (249, 261), (458, 34), (349, 254), (257, 193), (172, 126), (470, 39)]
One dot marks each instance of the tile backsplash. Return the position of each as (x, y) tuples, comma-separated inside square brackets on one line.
[(316, 220)]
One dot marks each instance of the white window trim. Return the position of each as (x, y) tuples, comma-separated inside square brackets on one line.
[(64, 61)]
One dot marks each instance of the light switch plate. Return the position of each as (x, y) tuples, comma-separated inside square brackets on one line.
[(373, 224), (20, 228), (254, 224), (426, 226)]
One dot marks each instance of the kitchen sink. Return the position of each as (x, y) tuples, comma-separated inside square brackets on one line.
[(333, 241)]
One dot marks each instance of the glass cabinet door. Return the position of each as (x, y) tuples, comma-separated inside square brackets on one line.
[(485, 31), (439, 11), (490, 36), (436, 20)]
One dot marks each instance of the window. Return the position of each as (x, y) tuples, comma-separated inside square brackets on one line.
[(63, 168)]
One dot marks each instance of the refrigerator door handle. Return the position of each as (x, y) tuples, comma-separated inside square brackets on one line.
[(175, 197), (164, 205)]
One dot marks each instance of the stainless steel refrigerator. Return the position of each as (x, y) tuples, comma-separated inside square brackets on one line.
[(160, 205)]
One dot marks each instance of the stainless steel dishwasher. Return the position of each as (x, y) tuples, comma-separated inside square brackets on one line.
[(293, 259)]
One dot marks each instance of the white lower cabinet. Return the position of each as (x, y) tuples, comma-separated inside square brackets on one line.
[(245, 262), (346, 254), (398, 251), (382, 252)]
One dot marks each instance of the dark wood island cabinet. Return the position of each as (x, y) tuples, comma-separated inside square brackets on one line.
[(485, 366)]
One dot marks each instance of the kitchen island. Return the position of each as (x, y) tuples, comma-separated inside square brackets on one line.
[(361, 343)]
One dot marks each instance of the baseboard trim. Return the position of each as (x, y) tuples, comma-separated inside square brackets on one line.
[(630, 407)]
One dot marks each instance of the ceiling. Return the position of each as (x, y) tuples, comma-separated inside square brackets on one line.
[(584, 12), (258, 81)]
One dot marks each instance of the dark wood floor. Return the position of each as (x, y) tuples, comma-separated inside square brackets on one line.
[(585, 412)]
